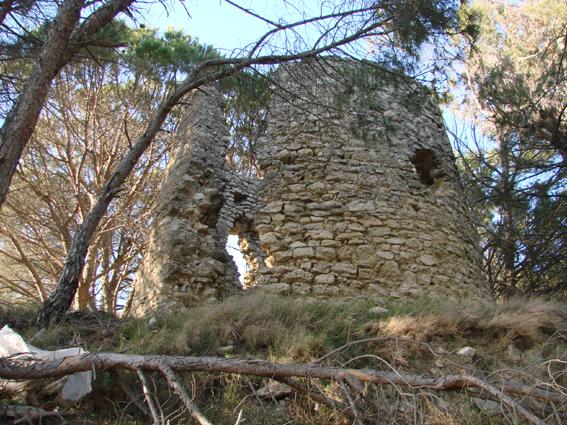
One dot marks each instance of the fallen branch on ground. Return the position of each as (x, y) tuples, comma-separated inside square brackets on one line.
[(28, 414), (149, 397), (24, 368), (180, 391)]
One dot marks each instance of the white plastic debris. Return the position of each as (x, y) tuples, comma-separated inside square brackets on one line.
[(379, 310), (152, 323), (76, 386), (467, 352)]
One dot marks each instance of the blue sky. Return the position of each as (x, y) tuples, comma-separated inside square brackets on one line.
[(214, 22), (217, 22)]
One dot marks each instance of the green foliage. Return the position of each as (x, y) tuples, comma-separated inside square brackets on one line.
[(173, 53), (517, 86), (513, 198), (468, 18), (419, 33), (544, 242), (415, 20), (246, 102), (517, 70)]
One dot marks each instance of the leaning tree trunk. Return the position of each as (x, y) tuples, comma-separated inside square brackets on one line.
[(508, 234), (64, 40), (59, 301), (21, 120)]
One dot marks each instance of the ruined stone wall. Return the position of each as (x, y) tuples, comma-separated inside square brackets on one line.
[(360, 192), (359, 197), (200, 203)]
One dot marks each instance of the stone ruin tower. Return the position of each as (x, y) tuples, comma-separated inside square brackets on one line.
[(200, 203), (358, 196), (360, 191)]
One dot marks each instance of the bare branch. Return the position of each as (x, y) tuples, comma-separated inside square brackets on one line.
[(148, 396), (29, 368), (183, 396)]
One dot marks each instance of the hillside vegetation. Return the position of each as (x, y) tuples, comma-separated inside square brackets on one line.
[(521, 342)]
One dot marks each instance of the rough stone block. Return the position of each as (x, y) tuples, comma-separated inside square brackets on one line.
[(281, 256), (365, 255), (325, 253), (303, 252), (321, 234), (390, 270), (357, 206), (344, 269), (278, 288), (298, 275), (325, 279), (273, 207), (267, 239), (428, 260)]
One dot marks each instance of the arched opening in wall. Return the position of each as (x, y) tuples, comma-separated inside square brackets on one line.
[(424, 162), (233, 249), (243, 245)]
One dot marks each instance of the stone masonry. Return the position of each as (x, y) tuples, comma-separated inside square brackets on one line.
[(358, 196), (200, 204), (360, 192)]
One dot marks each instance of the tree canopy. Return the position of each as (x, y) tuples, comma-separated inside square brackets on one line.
[(88, 102), (514, 159)]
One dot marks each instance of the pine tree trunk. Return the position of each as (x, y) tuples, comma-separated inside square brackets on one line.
[(22, 118), (508, 236), (64, 39)]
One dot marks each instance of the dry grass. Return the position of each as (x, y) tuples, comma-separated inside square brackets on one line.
[(419, 337), (528, 322), (254, 324), (519, 322)]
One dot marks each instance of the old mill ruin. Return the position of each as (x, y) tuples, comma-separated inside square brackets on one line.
[(357, 195)]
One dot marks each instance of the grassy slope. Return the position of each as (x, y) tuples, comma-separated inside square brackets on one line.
[(520, 341)]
